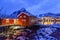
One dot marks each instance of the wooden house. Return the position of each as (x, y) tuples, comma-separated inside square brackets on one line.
[(21, 17), (57, 20), (46, 20), (26, 19), (7, 21)]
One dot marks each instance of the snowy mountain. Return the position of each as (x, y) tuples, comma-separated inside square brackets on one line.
[(16, 13), (44, 34), (50, 14)]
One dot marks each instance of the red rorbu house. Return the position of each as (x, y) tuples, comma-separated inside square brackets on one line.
[(21, 17), (7, 21)]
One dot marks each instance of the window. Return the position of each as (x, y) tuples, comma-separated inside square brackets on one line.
[(7, 20), (20, 16), (24, 20), (14, 21), (24, 16)]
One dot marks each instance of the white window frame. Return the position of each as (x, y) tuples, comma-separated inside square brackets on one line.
[(24, 16), (7, 20), (20, 16)]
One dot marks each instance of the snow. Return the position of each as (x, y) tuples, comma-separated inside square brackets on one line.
[(44, 34)]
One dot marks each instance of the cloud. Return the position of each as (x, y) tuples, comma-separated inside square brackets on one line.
[(33, 6), (37, 7), (45, 7), (11, 5)]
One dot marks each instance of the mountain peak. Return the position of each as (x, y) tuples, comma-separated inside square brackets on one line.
[(23, 9)]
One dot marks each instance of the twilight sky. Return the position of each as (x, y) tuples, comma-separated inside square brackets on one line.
[(35, 7)]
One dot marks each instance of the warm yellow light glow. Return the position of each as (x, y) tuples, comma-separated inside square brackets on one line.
[(46, 20), (15, 21), (7, 20), (57, 22), (57, 19), (16, 27)]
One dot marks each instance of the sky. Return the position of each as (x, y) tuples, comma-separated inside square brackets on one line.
[(35, 7)]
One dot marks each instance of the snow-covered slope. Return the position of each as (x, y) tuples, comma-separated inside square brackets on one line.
[(44, 34)]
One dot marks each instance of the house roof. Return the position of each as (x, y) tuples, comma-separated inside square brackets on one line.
[(16, 13), (50, 15)]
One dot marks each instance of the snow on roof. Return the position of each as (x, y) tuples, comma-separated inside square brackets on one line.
[(16, 13)]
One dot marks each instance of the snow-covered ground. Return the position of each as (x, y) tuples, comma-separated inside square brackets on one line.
[(56, 25), (45, 34)]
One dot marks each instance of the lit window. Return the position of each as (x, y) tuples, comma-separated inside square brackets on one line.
[(24, 16), (14, 21), (20, 16), (24, 20), (7, 20)]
